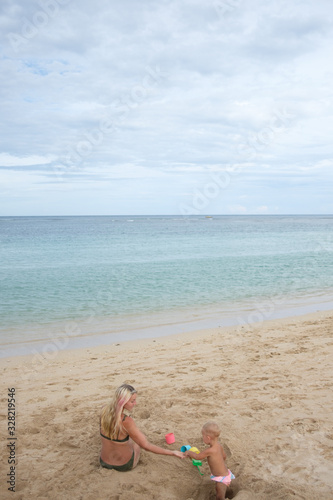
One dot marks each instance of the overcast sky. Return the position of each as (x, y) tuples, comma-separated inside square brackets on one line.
[(166, 107)]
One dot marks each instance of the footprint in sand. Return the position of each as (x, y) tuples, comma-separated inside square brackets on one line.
[(67, 444), (305, 425), (143, 414), (33, 430), (244, 495)]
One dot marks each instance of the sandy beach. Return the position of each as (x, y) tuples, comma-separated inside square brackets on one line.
[(269, 387)]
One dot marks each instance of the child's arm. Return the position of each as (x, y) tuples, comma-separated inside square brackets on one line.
[(198, 456)]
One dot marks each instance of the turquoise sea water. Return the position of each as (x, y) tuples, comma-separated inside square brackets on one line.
[(90, 275)]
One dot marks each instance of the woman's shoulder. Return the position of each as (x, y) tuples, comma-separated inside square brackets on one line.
[(126, 418), (127, 421)]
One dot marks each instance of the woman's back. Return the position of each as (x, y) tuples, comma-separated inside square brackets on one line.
[(116, 451)]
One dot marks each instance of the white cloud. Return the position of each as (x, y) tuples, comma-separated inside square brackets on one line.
[(186, 89), (8, 160)]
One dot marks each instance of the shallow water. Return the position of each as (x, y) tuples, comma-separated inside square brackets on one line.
[(126, 273)]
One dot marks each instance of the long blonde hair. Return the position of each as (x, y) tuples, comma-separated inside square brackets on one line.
[(111, 414)]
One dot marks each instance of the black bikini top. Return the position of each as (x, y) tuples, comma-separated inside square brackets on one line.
[(116, 440)]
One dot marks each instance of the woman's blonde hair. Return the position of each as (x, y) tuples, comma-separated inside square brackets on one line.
[(111, 414)]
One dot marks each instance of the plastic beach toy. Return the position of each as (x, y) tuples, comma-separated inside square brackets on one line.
[(196, 463), (170, 438), (184, 448)]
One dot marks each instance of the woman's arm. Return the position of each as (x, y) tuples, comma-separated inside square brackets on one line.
[(138, 436)]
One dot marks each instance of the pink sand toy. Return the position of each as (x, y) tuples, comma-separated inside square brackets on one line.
[(170, 438)]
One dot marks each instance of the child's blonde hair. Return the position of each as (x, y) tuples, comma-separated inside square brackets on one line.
[(111, 414), (211, 429)]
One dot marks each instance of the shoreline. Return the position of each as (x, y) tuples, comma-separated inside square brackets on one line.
[(190, 335), (268, 385), (71, 335)]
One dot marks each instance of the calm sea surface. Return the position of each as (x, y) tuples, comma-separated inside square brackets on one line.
[(90, 275)]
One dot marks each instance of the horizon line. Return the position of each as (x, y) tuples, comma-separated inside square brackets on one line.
[(209, 215)]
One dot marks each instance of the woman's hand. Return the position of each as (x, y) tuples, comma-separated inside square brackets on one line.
[(178, 454)]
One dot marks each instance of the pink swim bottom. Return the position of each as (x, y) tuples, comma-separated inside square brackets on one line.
[(223, 479)]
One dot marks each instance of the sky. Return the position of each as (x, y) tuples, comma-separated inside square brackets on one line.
[(166, 107)]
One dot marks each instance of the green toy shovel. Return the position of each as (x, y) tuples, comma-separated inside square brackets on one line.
[(197, 463)]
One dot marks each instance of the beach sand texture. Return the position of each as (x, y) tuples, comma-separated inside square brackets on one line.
[(268, 386)]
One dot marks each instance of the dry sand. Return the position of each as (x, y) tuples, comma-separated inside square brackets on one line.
[(268, 386)]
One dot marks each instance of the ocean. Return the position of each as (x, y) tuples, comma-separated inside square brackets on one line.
[(108, 278)]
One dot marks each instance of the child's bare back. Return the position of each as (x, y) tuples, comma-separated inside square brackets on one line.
[(216, 460)]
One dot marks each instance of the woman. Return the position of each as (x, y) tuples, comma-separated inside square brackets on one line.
[(121, 439)]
